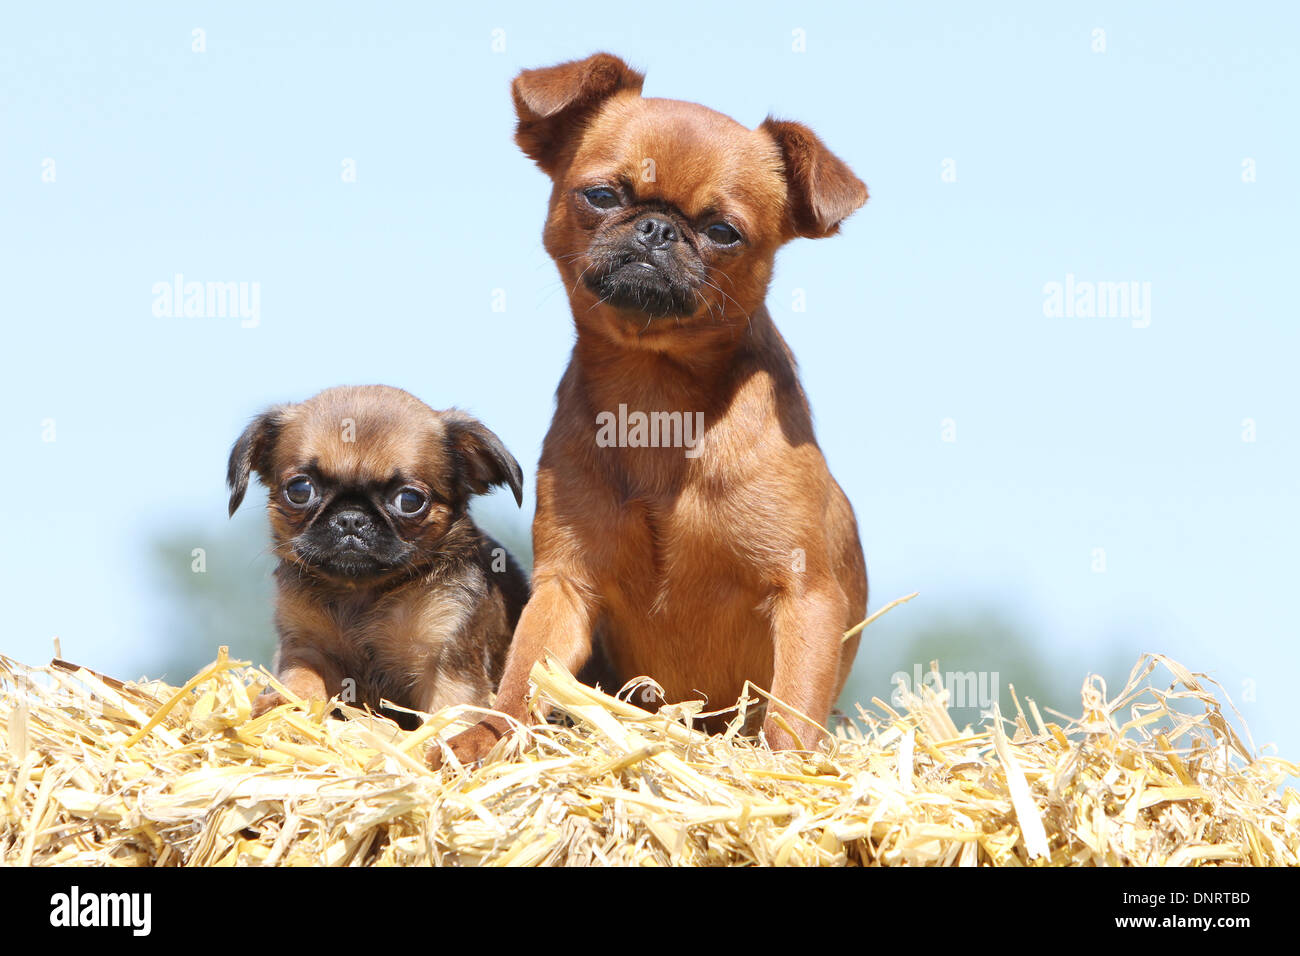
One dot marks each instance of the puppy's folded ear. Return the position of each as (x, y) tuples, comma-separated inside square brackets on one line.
[(252, 452), (483, 458), (823, 190), (552, 102)]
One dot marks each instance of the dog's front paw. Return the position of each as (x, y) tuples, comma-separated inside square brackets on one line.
[(472, 745), (780, 736), (266, 701)]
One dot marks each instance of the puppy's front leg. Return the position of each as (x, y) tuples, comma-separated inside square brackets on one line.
[(807, 630), (308, 675), (558, 620)]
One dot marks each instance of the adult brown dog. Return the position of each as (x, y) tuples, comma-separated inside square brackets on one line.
[(699, 559), (385, 589)]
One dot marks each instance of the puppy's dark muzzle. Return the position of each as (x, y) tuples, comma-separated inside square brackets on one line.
[(353, 542), (354, 533)]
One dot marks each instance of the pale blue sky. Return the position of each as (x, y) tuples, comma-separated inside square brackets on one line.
[(1072, 434)]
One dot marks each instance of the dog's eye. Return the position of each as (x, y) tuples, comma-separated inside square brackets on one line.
[(408, 501), (722, 234), (602, 197), (299, 491)]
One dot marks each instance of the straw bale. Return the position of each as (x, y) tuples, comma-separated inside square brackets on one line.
[(95, 771)]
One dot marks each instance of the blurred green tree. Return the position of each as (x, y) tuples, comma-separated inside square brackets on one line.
[(215, 587), (981, 653)]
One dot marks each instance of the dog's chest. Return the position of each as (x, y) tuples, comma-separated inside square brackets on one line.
[(393, 646), (680, 605), (672, 557)]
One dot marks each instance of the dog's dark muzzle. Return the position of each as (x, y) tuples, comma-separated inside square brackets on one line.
[(644, 280)]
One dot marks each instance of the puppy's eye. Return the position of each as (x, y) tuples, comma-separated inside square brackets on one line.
[(299, 491), (722, 234), (408, 501), (602, 197)]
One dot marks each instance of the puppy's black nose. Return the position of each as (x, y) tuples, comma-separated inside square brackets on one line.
[(655, 233), (350, 521)]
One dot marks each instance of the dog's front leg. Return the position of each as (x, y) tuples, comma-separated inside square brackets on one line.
[(557, 620), (807, 629), (307, 674)]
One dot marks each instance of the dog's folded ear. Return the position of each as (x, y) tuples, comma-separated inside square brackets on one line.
[(252, 452), (553, 101), (823, 190), (484, 460)]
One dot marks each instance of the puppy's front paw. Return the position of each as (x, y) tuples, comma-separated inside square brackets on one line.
[(472, 745), (267, 700)]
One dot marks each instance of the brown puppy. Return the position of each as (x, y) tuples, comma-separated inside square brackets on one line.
[(687, 527), (386, 589)]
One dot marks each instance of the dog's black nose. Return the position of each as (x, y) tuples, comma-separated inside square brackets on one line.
[(655, 233), (350, 521)]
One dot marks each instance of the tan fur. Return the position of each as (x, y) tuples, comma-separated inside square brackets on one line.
[(742, 563), (430, 633)]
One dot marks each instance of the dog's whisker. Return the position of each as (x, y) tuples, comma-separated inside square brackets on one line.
[(720, 291)]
